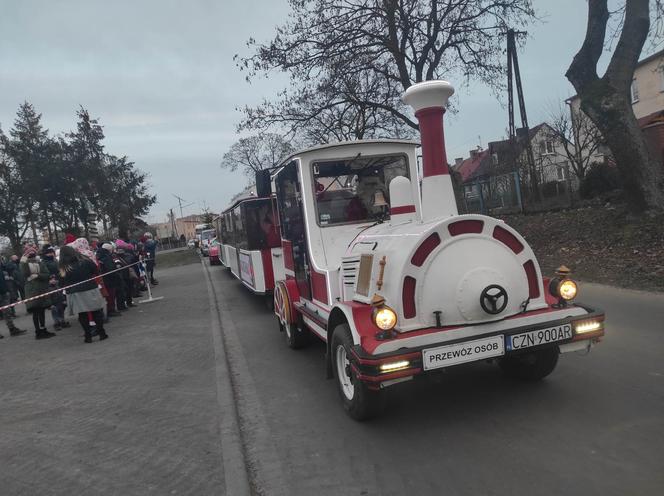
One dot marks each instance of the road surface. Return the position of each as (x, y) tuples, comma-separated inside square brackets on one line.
[(596, 426)]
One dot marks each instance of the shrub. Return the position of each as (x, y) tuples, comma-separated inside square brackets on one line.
[(600, 179)]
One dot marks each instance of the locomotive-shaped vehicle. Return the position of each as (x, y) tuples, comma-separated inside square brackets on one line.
[(386, 272)]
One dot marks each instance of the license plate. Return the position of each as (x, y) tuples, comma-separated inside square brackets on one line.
[(454, 354), (540, 336)]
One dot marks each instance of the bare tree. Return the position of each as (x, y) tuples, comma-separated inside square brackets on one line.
[(391, 43), (331, 110), (579, 137), (606, 99), (255, 153)]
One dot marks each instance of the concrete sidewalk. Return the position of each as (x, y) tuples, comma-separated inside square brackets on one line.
[(136, 414)]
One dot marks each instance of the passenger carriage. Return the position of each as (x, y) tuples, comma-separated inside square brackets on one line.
[(250, 243), (397, 283)]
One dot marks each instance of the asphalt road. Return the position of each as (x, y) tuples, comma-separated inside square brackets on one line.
[(595, 426), (198, 394)]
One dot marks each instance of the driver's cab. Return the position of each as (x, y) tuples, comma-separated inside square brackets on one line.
[(326, 196)]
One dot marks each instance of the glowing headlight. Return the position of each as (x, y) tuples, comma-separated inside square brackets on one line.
[(393, 367), (567, 289), (589, 326), (385, 318)]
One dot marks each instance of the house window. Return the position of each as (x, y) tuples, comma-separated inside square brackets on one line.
[(661, 78), (561, 173), (549, 147), (634, 91), (494, 157)]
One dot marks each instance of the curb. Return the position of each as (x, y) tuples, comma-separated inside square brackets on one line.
[(236, 474)]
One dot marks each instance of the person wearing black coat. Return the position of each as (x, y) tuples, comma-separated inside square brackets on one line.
[(112, 280), (4, 300), (85, 297), (55, 282)]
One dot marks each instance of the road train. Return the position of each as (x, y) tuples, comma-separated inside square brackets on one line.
[(360, 253)]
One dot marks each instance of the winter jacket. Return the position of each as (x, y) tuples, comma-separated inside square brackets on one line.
[(150, 247), (55, 281), (14, 272), (106, 264), (35, 286), (83, 270), (4, 287)]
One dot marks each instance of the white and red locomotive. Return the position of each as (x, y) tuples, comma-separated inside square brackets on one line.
[(397, 283)]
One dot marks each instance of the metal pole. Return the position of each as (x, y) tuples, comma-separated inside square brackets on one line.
[(517, 184)]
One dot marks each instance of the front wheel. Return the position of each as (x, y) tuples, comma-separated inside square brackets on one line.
[(360, 402), (531, 366)]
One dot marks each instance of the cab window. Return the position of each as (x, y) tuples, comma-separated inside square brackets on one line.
[(355, 190)]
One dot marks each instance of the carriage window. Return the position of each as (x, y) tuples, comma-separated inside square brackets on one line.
[(260, 225), (355, 190), (240, 236)]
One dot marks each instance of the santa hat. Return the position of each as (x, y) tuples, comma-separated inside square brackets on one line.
[(69, 238)]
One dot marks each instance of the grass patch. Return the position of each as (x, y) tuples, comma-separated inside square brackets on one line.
[(177, 258)]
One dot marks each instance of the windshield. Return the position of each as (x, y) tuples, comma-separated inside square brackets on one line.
[(355, 190)]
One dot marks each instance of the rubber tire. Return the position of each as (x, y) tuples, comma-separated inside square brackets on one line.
[(297, 338), (532, 366), (366, 403)]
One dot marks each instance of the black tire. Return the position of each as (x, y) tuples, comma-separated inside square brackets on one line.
[(532, 366), (365, 403), (296, 337)]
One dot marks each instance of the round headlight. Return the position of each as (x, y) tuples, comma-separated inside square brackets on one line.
[(567, 289), (385, 318)]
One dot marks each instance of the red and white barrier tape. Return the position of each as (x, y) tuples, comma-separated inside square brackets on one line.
[(43, 295)]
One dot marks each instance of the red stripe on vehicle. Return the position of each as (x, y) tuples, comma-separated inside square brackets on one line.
[(268, 271), (319, 286), (465, 227), (404, 209), (408, 297), (531, 275), (508, 239), (423, 251)]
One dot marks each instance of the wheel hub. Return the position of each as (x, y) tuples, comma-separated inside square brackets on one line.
[(344, 373)]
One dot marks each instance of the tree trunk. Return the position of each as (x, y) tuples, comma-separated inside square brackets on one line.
[(642, 175), (606, 100)]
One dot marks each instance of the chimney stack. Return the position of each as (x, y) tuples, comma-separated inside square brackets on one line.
[(429, 100), (457, 161)]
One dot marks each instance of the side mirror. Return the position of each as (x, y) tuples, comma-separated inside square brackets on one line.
[(263, 183)]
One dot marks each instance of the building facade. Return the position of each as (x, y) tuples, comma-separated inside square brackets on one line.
[(178, 227)]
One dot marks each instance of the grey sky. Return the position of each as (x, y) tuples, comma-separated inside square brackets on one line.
[(160, 77)]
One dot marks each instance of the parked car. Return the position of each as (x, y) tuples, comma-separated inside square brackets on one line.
[(191, 243)]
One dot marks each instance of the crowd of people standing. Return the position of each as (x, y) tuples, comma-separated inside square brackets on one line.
[(93, 281)]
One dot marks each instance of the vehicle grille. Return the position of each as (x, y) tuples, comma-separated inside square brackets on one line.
[(349, 269)]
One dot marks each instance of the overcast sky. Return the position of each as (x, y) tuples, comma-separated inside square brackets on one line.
[(160, 76)]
